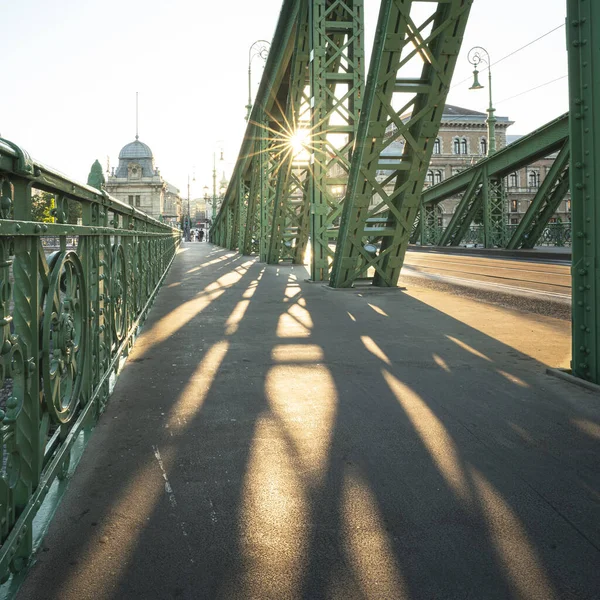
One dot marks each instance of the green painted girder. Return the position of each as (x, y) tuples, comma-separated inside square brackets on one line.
[(493, 195), (465, 212), (253, 214), (583, 44), (397, 106), (415, 235), (290, 194), (538, 144), (272, 87), (428, 230), (244, 195), (270, 160), (303, 233), (336, 37), (544, 204)]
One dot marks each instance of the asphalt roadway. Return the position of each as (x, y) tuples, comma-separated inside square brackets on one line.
[(272, 439), (549, 277)]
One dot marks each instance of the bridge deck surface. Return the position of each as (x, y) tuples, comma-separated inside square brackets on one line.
[(269, 438)]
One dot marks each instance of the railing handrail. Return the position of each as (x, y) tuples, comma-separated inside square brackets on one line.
[(47, 179), (67, 319)]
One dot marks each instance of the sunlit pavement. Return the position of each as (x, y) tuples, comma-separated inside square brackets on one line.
[(269, 438)]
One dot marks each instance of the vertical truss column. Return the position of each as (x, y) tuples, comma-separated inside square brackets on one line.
[(494, 211), (336, 32), (583, 37), (303, 220), (291, 199), (253, 214), (244, 194), (382, 199), (270, 157), (430, 230)]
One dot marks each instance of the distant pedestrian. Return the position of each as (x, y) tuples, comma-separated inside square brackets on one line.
[(201, 234)]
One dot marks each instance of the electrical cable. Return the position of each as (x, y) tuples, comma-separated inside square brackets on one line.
[(512, 53), (537, 87)]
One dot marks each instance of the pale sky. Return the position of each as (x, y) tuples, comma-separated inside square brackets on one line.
[(71, 68)]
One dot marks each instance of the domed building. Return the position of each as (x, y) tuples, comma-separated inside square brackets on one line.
[(137, 181)]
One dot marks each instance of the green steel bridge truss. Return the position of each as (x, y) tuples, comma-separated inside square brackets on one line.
[(72, 298), (583, 43), (332, 193), (69, 313), (358, 208), (482, 192)]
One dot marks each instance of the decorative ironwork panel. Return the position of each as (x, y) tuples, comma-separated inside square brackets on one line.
[(72, 296)]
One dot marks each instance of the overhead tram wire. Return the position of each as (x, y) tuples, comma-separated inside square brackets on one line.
[(537, 87), (512, 53)]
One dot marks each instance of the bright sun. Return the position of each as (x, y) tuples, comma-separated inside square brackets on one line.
[(298, 140)]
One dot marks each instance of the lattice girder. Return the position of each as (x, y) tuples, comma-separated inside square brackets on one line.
[(397, 107), (336, 32)]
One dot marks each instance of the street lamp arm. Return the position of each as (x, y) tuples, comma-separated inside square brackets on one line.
[(476, 56), (262, 51)]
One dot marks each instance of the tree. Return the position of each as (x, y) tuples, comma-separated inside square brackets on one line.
[(41, 205)]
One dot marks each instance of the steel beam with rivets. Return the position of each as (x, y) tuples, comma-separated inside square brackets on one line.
[(382, 200), (336, 37), (583, 43)]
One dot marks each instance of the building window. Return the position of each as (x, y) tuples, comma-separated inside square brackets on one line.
[(513, 180), (568, 205), (552, 220), (514, 221), (137, 200), (437, 146), (459, 145), (534, 179), (514, 206), (434, 177), (483, 146), (130, 198)]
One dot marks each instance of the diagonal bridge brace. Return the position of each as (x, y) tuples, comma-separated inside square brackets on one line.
[(377, 219)]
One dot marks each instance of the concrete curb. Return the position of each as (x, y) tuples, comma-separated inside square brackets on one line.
[(557, 255), (566, 376)]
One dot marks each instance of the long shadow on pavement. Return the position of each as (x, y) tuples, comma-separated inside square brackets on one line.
[(271, 439)]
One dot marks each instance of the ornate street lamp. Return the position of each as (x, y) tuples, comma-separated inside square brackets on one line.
[(476, 56), (214, 198), (259, 48)]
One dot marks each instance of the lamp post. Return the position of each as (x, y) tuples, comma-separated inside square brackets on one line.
[(258, 48), (214, 177), (188, 228), (475, 57), (205, 190)]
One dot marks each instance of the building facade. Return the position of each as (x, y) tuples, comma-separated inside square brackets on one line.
[(462, 141), (137, 182)]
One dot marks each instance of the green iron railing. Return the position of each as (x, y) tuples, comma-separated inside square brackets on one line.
[(72, 297), (556, 235)]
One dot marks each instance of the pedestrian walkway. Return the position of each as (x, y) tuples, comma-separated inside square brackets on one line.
[(273, 439)]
